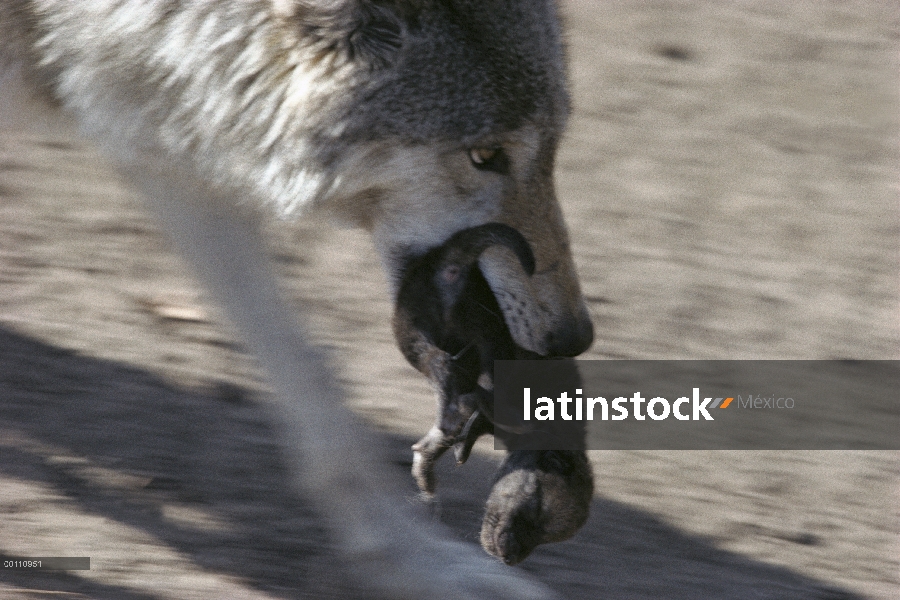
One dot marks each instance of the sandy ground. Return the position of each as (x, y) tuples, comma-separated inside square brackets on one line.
[(730, 177)]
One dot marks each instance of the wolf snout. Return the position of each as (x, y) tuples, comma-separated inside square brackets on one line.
[(570, 336), (545, 311)]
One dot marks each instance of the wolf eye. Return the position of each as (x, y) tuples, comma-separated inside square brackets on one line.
[(482, 156), (489, 159), (451, 273)]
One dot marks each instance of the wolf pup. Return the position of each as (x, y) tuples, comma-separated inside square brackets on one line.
[(414, 119), (449, 327)]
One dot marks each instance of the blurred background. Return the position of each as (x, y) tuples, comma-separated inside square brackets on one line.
[(730, 179)]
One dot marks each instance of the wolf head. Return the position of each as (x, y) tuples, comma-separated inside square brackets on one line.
[(459, 117), (412, 118)]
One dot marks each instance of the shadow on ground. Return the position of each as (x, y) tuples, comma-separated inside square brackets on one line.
[(143, 475)]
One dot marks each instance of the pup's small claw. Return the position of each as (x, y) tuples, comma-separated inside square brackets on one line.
[(476, 426)]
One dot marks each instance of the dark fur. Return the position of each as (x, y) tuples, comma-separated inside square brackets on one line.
[(448, 325)]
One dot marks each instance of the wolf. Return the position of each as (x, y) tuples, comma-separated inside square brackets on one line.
[(449, 327), (413, 119)]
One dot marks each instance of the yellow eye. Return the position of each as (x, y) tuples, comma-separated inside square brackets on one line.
[(490, 159), (482, 156)]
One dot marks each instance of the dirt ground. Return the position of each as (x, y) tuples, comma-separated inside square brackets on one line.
[(730, 177)]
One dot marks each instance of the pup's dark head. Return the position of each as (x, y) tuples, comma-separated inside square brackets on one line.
[(445, 306), (539, 496)]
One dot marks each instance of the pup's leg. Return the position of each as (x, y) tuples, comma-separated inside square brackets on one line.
[(330, 456), (460, 422), (426, 453)]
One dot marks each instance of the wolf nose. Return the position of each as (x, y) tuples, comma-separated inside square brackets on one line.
[(570, 338)]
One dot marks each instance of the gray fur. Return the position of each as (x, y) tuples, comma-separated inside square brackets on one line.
[(234, 119), (514, 72), (213, 109), (300, 104)]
